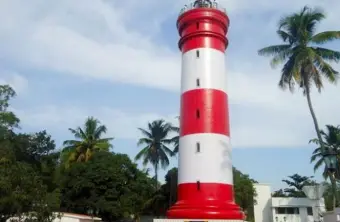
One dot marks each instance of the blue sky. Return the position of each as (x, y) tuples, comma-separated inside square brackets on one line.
[(119, 61)]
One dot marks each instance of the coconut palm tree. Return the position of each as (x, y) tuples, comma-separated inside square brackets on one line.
[(88, 141), (331, 140), (155, 150), (305, 62)]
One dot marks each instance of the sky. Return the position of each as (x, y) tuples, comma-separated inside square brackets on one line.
[(119, 62)]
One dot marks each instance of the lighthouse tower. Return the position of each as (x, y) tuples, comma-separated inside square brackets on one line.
[(205, 178)]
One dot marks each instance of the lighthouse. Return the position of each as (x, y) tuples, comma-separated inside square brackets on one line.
[(205, 176)]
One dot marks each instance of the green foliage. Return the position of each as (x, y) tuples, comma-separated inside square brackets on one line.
[(244, 193), (329, 196), (8, 120), (295, 184), (305, 63), (22, 191), (89, 140), (331, 142), (331, 138), (155, 145), (108, 185)]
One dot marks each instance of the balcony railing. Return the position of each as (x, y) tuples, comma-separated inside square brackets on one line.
[(202, 4)]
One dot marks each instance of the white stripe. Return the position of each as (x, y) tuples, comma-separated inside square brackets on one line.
[(208, 68), (211, 165)]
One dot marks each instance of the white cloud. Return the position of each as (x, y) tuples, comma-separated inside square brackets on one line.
[(15, 80), (120, 124), (117, 41)]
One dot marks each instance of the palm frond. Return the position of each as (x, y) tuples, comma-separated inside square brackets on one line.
[(103, 146), (167, 150), (75, 133), (144, 141), (105, 140), (71, 142), (325, 37), (145, 133), (273, 50), (288, 73), (327, 54), (142, 153), (286, 37), (310, 17), (100, 131), (316, 156), (315, 141), (325, 69), (164, 159)]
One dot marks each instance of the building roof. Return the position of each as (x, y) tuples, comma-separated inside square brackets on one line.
[(79, 216)]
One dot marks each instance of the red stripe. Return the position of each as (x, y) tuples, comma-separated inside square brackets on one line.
[(202, 40), (211, 201), (200, 28), (204, 111)]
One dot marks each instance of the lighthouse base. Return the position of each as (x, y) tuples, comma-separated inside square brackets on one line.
[(195, 220)]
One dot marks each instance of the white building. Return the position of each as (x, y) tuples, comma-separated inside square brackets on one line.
[(278, 209), (63, 217)]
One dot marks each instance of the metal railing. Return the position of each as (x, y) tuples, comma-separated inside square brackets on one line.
[(202, 4)]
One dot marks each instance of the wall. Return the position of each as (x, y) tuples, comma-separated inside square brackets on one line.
[(266, 207), (262, 208), (301, 204), (66, 219)]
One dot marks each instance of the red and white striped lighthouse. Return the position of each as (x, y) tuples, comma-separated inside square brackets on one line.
[(205, 177)]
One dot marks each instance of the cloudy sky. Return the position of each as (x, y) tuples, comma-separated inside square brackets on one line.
[(119, 61)]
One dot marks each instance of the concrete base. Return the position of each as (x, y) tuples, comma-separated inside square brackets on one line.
[(195, 220)]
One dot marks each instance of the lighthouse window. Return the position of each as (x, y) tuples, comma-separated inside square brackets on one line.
[(197, 114), (197, 25), (197, 82), (198, 147), (197, 53), (198, 185)]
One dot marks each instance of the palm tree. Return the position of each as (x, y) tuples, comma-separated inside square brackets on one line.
[(89, 140), (331, 140), (305, 63), (154, 142)]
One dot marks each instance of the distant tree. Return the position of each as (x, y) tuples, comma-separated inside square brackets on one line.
[(155, 145), (279, 193), (329, 196), (89, 140), (295, 184), (305, 62), (8, 120), (108, 185), (22, 192), (245, 192)]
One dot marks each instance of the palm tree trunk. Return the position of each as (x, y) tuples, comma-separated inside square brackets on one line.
[(316, 124), (334, 191), (317, 129), (156, 175)]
